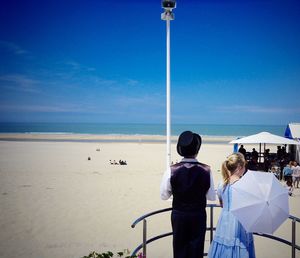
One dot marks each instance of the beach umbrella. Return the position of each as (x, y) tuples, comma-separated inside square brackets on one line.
[(260, 202)]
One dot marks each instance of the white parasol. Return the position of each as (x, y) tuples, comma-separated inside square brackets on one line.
[(260, 202)]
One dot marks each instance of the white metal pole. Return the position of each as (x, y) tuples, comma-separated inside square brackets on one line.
[(168, 91)]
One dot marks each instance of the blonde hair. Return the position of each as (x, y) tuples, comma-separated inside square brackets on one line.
[(231, 164)]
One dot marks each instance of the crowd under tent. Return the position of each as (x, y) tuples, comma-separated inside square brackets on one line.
[(264, 138)]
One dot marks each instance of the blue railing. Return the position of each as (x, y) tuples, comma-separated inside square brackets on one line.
[(211, 228)]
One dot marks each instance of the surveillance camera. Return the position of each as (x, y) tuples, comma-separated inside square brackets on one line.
[(169, 4), (167, 15)]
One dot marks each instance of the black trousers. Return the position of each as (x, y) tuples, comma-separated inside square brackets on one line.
[(188, 233)]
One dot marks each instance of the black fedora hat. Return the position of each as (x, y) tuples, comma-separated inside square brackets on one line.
[(188, 144)]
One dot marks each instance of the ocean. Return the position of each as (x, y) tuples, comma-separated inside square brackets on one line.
[(139, 129)]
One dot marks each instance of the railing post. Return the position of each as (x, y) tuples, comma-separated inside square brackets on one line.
[(293, 238), (144, 238), (211, 222)]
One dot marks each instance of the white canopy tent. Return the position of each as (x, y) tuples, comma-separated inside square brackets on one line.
[(265, 138)]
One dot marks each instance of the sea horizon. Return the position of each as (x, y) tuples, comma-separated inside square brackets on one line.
[(137, 128)]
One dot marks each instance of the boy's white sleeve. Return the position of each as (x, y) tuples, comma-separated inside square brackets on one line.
[(165, 186), (220, 190), (211, 193)]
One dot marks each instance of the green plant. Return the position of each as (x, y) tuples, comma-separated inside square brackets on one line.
[(109, 254)]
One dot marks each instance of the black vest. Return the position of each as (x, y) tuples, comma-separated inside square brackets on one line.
[(190, 182)]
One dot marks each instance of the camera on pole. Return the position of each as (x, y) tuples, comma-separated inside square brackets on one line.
[(168, 5)]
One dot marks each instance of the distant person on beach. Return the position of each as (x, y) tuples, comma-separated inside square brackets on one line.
[(242, 150), (122, 162), (288, 171), (290, 187), (279, 153), (296, 174), (254, 154), (252, 164), (191, 184), (231, 239), (267, 162)]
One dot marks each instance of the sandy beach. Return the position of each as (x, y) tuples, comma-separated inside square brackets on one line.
[(55, 202)]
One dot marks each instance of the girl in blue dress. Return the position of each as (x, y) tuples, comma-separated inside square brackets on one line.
[(231, 239)]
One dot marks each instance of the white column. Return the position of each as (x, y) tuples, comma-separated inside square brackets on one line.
[(168, 90)]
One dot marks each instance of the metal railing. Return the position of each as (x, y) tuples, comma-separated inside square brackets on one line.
[(211, 228)]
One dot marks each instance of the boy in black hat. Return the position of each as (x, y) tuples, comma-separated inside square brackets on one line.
[(191, 184)]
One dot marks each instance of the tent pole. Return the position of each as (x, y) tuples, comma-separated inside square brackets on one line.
[(259, 152)]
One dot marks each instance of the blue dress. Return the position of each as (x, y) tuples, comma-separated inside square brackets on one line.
[(231, 239)]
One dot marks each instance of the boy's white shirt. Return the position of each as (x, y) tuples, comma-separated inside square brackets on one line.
[(166, 188)]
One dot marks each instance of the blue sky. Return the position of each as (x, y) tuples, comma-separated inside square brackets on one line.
[(232, 62)]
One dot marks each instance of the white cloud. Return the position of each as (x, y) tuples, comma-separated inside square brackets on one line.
[(76, 66), (131, 82), (257, 109), (19, 82), (39, 108), (12, 47), (102, 82), (140, 101)]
